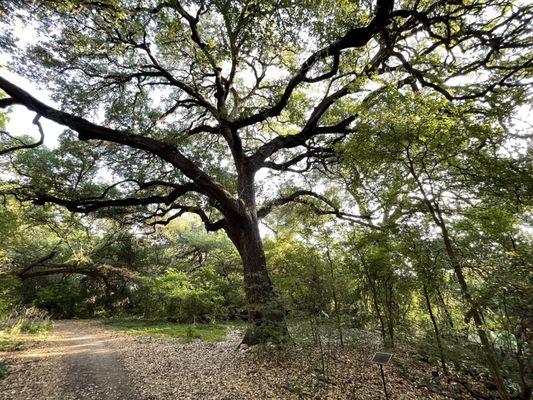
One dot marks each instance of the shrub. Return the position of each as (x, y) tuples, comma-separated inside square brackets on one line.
[(27, 320), (178, 296), (192, 334), (61, 299), (8, 286)]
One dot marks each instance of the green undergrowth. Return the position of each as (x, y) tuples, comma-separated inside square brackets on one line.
[(9, 343), (3, 370), (214, 332)]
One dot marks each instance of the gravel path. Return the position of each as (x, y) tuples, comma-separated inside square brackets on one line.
[(78, 361)]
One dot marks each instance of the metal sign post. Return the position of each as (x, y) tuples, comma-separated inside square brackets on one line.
[(382, 359)]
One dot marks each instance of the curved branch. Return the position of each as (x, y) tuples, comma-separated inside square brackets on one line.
[(26, 145), (354, 38), (4, 103), (101, 271), (299, 196), (182, 209), (87, 205), (90, 131), (329, 74), (307, 132)]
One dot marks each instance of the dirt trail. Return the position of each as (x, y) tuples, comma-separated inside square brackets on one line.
[(78, 361)]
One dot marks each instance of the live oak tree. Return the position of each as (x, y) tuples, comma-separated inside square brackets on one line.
[(188, 105)]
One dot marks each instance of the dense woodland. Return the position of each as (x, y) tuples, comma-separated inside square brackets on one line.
[(342, 165)]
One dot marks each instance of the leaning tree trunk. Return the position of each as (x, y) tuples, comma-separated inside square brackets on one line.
[(435, 329), (476, 315), (475, 311)]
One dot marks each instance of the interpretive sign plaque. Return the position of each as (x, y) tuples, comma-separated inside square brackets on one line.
[(382, 359)]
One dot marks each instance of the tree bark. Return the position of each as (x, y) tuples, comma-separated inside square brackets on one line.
[(266, 316), (265, 311)]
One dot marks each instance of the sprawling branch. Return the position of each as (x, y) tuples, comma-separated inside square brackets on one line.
[(447, 92), (90, 131), (178, 83), (43, 266), (100, 271), (308, 131), (209, 225), (354, 38), (302, 197), (312, 128), (92, 204), (416, 21), (38, 261), (313, 155)]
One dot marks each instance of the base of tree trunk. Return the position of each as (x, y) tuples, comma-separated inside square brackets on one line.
[(266, 332), (266, 324)]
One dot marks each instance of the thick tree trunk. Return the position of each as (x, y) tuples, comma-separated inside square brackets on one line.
[(266, 315), (265, 311)]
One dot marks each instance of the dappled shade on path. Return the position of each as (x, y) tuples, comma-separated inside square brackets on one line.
[(77, 361)]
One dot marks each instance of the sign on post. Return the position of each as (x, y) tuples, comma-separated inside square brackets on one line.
[(382, 359)]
